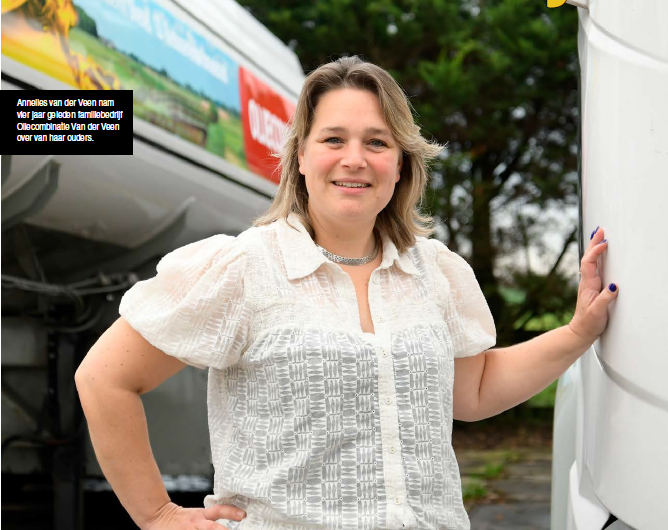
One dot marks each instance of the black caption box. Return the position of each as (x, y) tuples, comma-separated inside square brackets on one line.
[(67, 122)]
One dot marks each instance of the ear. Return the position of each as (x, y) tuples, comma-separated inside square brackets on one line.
[(300, 159), (399, 166)]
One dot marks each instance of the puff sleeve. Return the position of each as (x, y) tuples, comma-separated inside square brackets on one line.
[(465, 310), (196, 307)]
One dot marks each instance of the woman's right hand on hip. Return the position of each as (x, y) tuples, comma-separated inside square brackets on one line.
[(174, 517)]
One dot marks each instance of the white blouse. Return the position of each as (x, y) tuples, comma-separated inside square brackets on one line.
[(314, 423)]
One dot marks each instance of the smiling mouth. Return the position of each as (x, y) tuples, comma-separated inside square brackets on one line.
[(352, 185)]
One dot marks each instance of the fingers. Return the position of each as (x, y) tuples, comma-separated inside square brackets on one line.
[(596, 237), (594, 252), (607, 295), (597, 245), (210, 525), (224, 511), (588, 267)]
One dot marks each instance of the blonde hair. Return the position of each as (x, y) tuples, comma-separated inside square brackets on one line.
[(401, 220)]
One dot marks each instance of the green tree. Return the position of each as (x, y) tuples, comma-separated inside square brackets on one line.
[(494, 80), (85, 22)]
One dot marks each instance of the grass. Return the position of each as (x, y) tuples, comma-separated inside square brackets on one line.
[(494, 470), (492, 464), (477, 480), (473, 489)]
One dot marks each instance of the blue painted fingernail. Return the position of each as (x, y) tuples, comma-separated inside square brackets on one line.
[(600, 242), (612, 287), (594, 232)]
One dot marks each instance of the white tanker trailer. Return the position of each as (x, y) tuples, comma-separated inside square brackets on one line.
[(213, 90), (610, 455)]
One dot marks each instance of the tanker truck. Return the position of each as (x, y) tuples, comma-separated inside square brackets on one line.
[(212, 92)]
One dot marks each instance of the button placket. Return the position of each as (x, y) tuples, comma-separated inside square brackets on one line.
[(375, 275), (394, 472)]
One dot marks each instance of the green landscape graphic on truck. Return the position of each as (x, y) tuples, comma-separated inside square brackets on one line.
[(181, 81)]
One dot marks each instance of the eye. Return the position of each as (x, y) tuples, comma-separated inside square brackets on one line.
[(333, 140), (378, 143)]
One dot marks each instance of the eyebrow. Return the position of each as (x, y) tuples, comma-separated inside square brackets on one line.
[(368, 130)]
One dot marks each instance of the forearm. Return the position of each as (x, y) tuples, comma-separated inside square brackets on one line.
[(119, 433), (514, 374)]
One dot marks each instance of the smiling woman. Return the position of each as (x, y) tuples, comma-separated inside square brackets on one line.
[(349, 177), (333, 331), (353, 123)]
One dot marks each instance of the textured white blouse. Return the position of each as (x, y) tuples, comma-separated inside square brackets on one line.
[(314, 423)]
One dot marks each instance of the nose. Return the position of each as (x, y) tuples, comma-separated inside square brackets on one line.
[(353, 156)]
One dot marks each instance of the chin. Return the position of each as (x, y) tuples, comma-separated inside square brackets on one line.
[(358, 217)]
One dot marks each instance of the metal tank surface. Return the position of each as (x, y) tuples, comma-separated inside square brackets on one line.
[(611, 416), (213, 91)]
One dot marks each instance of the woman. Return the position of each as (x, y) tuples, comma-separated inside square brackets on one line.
[(332, 329)]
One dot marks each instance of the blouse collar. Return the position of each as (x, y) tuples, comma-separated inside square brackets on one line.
[(302, 257)]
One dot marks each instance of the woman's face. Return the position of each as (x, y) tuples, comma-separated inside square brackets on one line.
[(349, 142)]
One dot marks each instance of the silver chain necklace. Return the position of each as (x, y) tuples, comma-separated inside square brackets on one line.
[(350, 261)]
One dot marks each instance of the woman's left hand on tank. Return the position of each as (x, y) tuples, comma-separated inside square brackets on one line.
[(591, 311)]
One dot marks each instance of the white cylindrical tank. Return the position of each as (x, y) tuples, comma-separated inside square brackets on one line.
[(620, 418)]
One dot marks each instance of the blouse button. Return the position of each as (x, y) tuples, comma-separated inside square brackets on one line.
[(388, 401), (381, 319), (392, 450), (397, 500), (376, 279)]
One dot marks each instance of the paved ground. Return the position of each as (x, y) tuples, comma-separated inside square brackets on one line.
[(507, 489)]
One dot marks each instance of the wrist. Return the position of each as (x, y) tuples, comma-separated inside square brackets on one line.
[(580, 339), (160, 514)]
